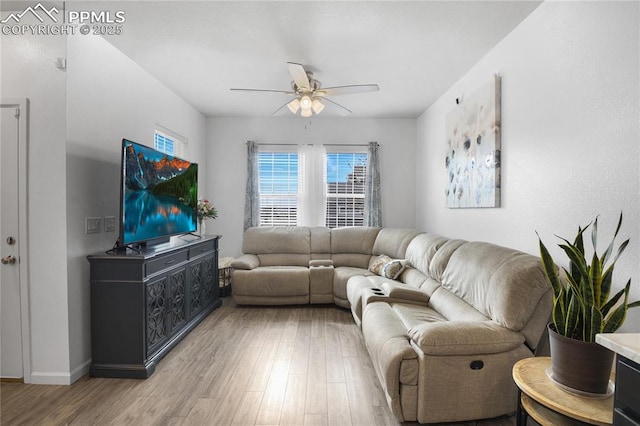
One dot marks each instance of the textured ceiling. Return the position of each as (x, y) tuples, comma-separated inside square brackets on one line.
[(413, 50)]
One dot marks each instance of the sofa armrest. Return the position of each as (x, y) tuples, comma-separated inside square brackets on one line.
[(320, 262), (320, 281), (464, 338), (246, 261), (404, 292)]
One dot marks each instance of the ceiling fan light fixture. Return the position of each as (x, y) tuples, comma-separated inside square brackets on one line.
[(309, 94), (294, 105), (305, 102), (317, 106)]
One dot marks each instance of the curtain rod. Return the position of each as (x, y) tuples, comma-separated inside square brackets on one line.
[(346, 144), (324, 144), (278, 144)]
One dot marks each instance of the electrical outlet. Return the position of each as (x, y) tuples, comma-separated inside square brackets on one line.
[(109, 224), (93, 225)]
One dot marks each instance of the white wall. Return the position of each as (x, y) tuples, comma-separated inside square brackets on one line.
[(570, 134), (109, 97), (28, 71), (226, 157)]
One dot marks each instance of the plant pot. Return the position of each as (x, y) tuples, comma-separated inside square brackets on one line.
[(583, 366)]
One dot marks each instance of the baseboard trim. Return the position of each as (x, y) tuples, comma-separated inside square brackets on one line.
[(81, 370), (48, 378)]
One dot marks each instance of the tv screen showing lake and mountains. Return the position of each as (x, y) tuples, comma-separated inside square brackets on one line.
[(160, 193)]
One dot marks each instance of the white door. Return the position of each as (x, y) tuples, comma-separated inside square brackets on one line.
[(11, 336)]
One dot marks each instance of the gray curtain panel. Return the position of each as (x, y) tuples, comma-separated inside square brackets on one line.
[(372, 202), (252, 196)]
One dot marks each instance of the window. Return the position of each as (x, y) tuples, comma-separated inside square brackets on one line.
[(170, 143), (345, 179), (312, 187), (164, 143), (278, 186)]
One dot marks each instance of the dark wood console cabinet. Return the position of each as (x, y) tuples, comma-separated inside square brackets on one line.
[(143, 304), (627, 398)]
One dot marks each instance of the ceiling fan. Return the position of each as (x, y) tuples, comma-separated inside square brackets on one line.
[(309, 95)]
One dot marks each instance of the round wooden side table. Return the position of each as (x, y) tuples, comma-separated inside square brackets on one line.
[(548, 404)]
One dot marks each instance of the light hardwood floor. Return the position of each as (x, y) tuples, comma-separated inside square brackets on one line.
[(304, 365)]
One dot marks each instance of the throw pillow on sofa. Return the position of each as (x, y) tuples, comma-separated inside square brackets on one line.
[(394, 268), (387, 267), (379, 263)]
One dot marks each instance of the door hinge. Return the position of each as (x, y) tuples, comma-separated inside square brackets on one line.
[(16, 113)]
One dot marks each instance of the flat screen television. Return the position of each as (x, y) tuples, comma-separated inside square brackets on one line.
[(159, 194)]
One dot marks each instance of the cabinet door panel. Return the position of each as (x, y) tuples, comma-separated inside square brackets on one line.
[(177, 299), (157, 331), (209, 282), (195, 288)]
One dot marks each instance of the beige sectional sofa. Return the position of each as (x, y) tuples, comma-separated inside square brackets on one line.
[(442, 336)]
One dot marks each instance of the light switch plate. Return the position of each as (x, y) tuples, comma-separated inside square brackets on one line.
[(93, 225), (109, 224)]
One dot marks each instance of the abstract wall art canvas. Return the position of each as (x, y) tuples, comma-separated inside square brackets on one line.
[(473, 150)]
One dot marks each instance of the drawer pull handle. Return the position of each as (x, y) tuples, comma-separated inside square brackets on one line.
[(169, 262), (203, 249)]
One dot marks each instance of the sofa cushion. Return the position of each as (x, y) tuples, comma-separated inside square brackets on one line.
[(413, 315), (320, 242), (393, 241), (272, 281), (453, 307), (246, 261), (353, 246), (441, 258), (429, 285), (284, 259), (501, 283), (412, 277), (464, 337), (277, 240), (421, 250), (353, 260)]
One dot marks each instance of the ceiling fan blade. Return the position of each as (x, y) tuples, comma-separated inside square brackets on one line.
[(341, 109), (347, 90), (299, 76), (286, 92), (279, 109)]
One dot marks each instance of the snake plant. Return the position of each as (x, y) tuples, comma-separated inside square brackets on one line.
[(581, 304)]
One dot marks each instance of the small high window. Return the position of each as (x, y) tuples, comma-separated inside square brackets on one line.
[(170, 143)]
